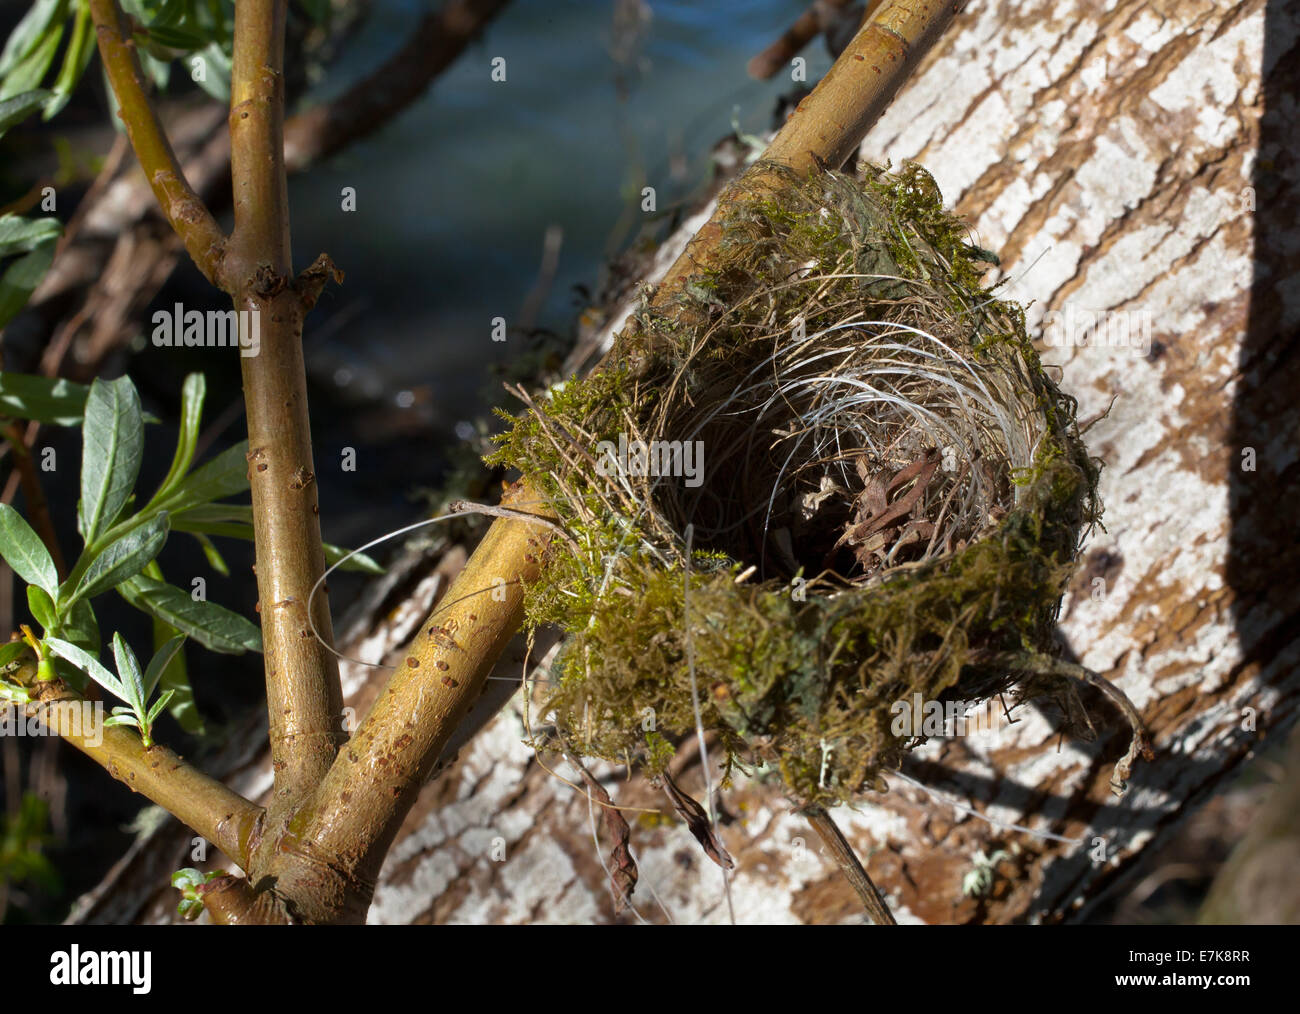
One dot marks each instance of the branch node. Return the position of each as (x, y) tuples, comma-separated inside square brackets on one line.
[(313, 280), (266, 282)]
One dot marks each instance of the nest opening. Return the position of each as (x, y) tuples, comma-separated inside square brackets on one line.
[(866, 446)]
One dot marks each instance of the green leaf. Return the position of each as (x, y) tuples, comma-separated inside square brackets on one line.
[(225, 475), (24, 551), (170, 12), (159, 663), (110, 96), (30, 71), (215, 560), (361, 562), (158, 705), (75, 60), (159, 70), (80, 626), (20, 235), (122, 716), (318, 10), (236, 521), (88, 664), (9, 651), (192, 394), (240, 513), (123, 559), (175, 38), (188, 877), (55, 402), (187, 881), (27, 34), (42, 608), (176, 682), (13, 111), (21, 278), (67, 672), (112, 446), (216, 77), (14, 693), (213, 626), (128, 674), (231, 530)]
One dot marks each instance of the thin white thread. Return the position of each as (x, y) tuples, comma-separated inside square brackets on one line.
[(699, 720), (375, 542), (961, 807)]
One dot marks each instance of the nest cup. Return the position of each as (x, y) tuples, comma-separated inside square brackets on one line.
[(831, 475)]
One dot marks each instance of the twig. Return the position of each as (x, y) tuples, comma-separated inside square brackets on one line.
[(854, 872), (224, 817), (436, 41), (470, 507), (809, 25), (1138, 744), (372, 784), (183, 208), (303, 694)]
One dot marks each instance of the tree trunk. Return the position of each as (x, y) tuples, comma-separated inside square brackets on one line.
[(1125, 161)]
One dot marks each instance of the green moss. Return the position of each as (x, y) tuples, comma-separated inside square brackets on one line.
[(798, 677)]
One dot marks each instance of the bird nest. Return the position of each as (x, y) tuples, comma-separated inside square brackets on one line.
[(829, 476)]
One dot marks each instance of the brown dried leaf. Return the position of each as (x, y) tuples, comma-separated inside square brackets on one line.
[(624, 874), (697, 820), (875, 525)]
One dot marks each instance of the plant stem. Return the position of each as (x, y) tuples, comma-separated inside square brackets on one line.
[(1138, 745), (260, 241), (225, 818), (303, 696), (329, 859), (854, 872), (184, 210), (831, 123)]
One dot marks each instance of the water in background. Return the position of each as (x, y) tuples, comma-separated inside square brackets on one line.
[(455, 196)]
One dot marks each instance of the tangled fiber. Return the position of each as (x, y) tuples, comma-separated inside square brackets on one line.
[(831, 475)]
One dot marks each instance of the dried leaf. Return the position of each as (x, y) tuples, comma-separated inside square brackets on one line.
[(875, 529), (624, 874), (697, 820)]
